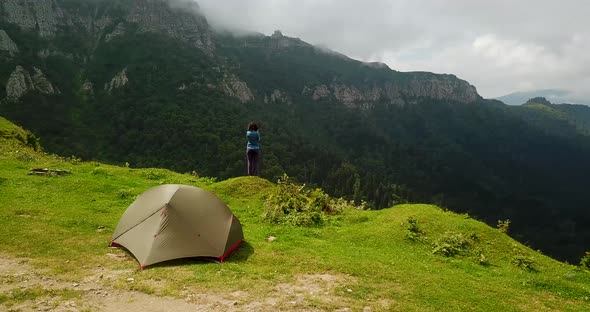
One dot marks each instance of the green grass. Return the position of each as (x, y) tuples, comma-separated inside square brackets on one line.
[(64, 224), (21, 295)]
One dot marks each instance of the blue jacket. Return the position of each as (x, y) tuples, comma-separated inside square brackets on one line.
[(253, 139)]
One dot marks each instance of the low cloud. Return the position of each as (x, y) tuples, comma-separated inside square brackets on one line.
[(499, 46)]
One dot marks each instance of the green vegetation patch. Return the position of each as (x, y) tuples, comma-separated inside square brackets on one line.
[(294, 204), (20, 295), (355, 259)]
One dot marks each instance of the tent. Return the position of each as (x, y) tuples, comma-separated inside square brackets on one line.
[(174, 221)]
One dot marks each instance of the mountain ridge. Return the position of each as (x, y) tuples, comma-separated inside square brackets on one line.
[(559, 96), (109, 20)]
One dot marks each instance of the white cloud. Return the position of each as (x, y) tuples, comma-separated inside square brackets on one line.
[(499, 46)]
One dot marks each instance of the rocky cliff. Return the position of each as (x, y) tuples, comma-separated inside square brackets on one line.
[(49, 17), (43, 16), (6, 44), (182, 22), (327, 75), (95, 24), (438, 87), (21, 82)]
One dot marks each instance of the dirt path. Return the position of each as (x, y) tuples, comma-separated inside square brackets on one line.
[(24, 288)]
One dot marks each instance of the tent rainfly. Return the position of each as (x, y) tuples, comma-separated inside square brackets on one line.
[(174, 221)]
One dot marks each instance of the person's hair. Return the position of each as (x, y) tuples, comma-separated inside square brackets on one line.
[(252, 126)]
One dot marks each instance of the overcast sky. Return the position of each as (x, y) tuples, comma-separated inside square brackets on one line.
[(500, 46)]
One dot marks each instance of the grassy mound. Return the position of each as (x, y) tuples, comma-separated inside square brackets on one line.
[(408, 257)]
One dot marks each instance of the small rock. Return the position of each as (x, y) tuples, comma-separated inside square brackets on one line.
[(271, 238), (349, 290), (75, 284), (235, 303), (131, 280)]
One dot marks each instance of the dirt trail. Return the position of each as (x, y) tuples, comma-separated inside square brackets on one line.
[(24, 288)]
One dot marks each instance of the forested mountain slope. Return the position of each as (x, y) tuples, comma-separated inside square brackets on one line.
[(543, 114), (142, 82)]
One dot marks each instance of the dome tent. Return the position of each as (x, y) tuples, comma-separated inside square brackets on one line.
[(175, 221)]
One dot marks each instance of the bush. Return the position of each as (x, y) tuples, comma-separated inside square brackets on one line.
[(126, 194), (524, 262), (450, 244), (585, 262), (504, 226), (480, 258), (153, 174), (338, 205), (29, 139), (73, 160), (99, 171), (413, 232), (292, 204)]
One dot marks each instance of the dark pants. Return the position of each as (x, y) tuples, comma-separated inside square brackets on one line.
[(253, 162)]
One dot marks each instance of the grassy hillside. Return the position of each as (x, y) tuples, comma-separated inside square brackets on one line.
[(371, 260)]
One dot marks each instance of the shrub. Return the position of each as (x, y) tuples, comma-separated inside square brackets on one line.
[(99, 171), (450, 244), (73, 160), (413, 232), (504, 226), (292, 204), (338, 205), (29, 139), (126, 194), (480, 258), (524, 262), (153, 174), (585, 262)]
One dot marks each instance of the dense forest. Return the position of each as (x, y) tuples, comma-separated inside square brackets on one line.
[(527, 163)]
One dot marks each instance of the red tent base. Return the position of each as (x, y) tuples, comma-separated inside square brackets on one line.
[(234, 247)]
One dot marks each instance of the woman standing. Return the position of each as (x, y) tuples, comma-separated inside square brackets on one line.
[(253, 149)]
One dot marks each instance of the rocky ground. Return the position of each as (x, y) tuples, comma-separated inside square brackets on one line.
[(24, 288)]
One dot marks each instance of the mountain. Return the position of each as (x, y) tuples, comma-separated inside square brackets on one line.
[(541, 113), (554, 95), (149, 83)]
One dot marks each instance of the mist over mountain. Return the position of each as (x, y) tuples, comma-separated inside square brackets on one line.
[(557, 96), (151, 83)]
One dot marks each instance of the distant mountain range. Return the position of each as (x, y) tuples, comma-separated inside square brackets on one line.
[(557, 96)]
